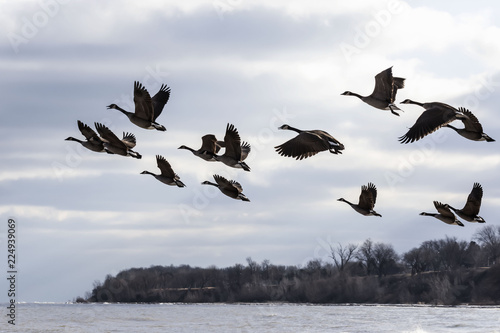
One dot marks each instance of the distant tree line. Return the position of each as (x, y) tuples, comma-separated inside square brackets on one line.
[(444, 271)]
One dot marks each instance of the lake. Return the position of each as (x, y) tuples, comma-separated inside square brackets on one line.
[(262, 318)]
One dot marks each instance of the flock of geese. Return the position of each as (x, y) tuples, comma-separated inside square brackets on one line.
[(435, 116), (305, 144)]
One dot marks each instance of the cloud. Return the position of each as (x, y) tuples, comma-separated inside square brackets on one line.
[(257, 65)]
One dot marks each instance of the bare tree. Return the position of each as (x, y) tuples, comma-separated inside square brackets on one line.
[(313, 268), (265, 269), (377, 258), (252, 264), (452, 252), (342, 255), (412, 259), (432, 258), (254, 270), (417, 259), (365, 255), (472, 255), (385, 258), (489, 239)]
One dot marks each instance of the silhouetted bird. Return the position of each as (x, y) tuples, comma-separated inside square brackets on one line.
[(167, 175), (208, 149), (367, 200), (308, 143), (147, 109), (230, 188), (473, 130), (92, 142), (384, 93), (444, 214), (233, 155), (435, 116), (472, 206), (113, 145)]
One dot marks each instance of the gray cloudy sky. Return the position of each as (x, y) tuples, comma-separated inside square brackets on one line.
[(255, 64)]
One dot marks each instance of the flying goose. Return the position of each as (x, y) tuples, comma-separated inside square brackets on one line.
[(435, 116), (308, 143), (367, 200), (245, 148), (113, 145), (93, 141), (209, 147), (473, 129), (384, 93), (230, 188), (445, 214), (147, 109), (233, 155), (471, 208), (167, 175)]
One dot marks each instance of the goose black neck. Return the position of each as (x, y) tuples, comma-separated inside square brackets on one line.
[(428, 214), (120, 109), (188, 148), (414, 102), (346, 201), (294, 129), (357, 95), (73, 139)]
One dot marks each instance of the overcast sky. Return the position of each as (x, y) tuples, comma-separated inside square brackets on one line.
[(255, 64)]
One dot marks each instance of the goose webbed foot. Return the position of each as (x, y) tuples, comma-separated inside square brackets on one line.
[(159, 127), (134, 154), (392, 111)]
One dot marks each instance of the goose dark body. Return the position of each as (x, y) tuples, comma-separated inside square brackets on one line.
[(435, 116), (147, 109), (113, 145), (308, 143), (444, 214), (233, 155), (471, 208), (473, 130), (93, 141), (367, 200), (209, 148), (167, 174), (384, 92), (231, 188)]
